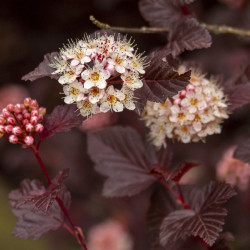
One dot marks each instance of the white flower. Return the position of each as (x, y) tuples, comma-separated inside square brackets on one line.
[(70, 75), (74, 92), (112, 100), (87, 108), (136, 64), (59, 64), (80, 57), (119, 61), (128, 100), (190, 115), (95, 94), (95, 77), (131, 80)]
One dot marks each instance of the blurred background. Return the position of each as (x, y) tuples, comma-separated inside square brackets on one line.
[(30, 29)]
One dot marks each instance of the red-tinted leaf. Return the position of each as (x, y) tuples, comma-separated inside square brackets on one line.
[(242, 152), (181, 170), (35, 223), (205, 218), (188, 35), (62, 119), (43, 69), (161, 13), (239, 88), (160, 82), (122, 156), (161, 204), (41, 198)]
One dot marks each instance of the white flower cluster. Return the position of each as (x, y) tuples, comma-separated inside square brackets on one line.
[(99, 74), (190, 115)]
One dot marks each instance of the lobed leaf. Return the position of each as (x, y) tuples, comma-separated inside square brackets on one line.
[(35, 223), (62, 119), (188, 35), (43, 69), (205, 218), (161, 81), (120, 154)]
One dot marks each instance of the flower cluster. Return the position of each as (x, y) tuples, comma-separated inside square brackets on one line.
[(190, 115), (20, 122), (109, 235), (232, 170), (99, 74)]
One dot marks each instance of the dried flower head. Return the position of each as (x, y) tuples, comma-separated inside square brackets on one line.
[(20, 122), (232, 170), (98, 73), (190, 115), (109, 235)]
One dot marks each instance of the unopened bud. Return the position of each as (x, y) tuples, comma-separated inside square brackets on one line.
[(8, 129), (17, 130), (39, 128), (2, 120), (26, 115), (34, 112), (29, 127), (190, 87), (33, 104), (27, 101), (177, 101), (6, 113), (19, 117), (13, 139), (183, 93), (10, 107), (11, 120), (34, 120), (25, 122), (42, 111), (28, 140), (2, 129), (17, 109)]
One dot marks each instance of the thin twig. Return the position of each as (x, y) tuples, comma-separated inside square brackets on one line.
[(216, 29)]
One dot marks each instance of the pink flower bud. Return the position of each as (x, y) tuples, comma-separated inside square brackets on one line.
[(17, 130), (22, 106), (110, 68), (8, 129), (34, 112), (177, 101), (25, 122), (33, 104), (6, 113), (42, 111), (182, 94), (2, 120), (2, 129), (34, 120), (190, 87), (27, 101), (26, 115), (13, 139), (40, 118), (17, 109), (39, 128), (29, 127), (28, 140), (19, 117), (10, 107), (11, 120)]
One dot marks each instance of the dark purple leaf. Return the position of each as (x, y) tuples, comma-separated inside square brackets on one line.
[(35, 223), (182, 170), (161, 81), (42, 199), (242, 152), (43, 69), (238, 88), (205, 218), (120, 154), (161, 13), (62, 119), (188, 35)]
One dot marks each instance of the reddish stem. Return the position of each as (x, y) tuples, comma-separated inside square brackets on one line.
[(113, 77), (185, 205), (59, 201), (115, 82)]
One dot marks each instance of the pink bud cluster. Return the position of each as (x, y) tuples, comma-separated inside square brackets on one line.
[(20, 122)]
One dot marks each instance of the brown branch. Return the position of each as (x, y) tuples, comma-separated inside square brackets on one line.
[(216, 29)]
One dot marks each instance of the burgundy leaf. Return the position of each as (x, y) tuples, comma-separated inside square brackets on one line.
[(182, 2), (205, 219), (188, 35), (161, 81), (43, 69), (41, 198), (161, 13), (181, 170), (62, 119), (242, 152), (120, 154), (35, 223)]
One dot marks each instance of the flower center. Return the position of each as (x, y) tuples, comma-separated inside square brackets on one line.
[(86, 104), (95, 77), (111, 99), (181, 116), (193, 102), (95, 91), (74, 91)]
